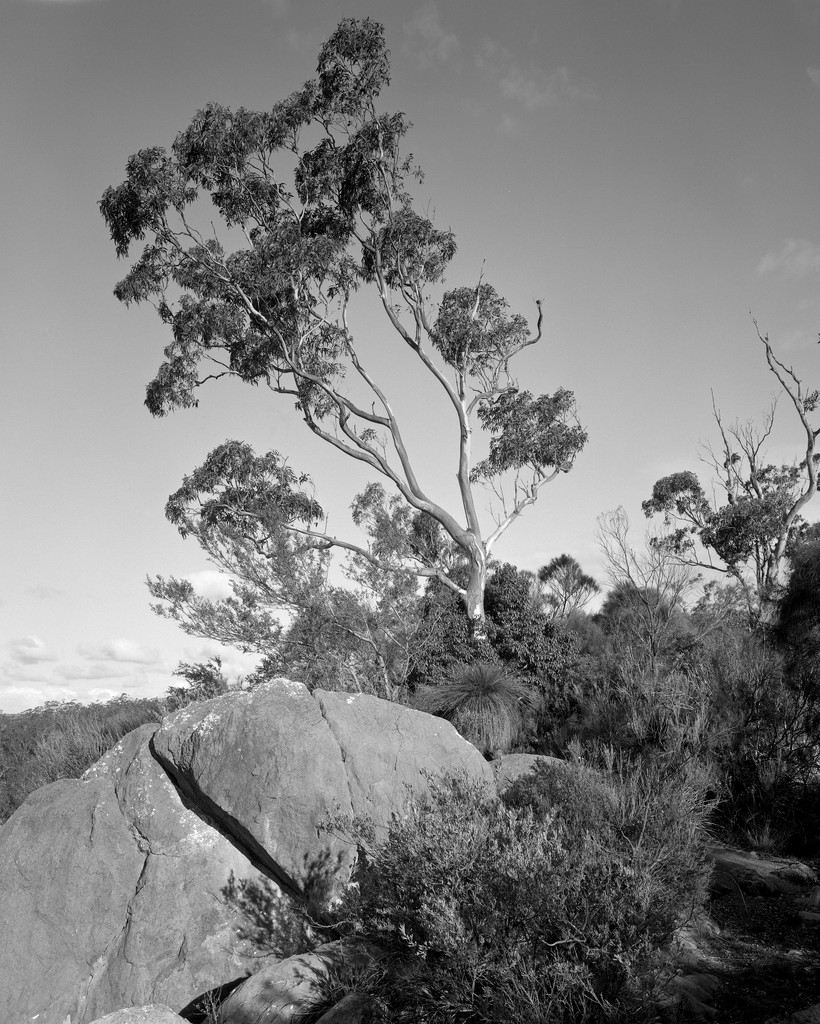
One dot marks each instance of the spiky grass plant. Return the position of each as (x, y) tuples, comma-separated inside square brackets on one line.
[(485, 702)]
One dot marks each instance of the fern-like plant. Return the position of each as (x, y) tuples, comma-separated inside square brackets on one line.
[(485, 702)]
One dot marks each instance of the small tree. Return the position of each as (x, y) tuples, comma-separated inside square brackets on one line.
[(276, 311), (748, 535), (650, 588), (564, 586), (205, 680), (283, 606)]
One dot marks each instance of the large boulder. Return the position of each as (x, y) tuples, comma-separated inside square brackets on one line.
[(265, 767), (154, 1014), (111, 887), (270, 765), (756, 875), (110, 895)]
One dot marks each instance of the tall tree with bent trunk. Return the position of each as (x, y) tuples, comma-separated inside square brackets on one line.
[(316, 190)]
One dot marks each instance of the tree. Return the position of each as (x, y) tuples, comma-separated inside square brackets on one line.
[(276, 312), (748, 536), (283, 605), (565, 587), (798, 622), (650, 588), (205, 680), (520, 636)]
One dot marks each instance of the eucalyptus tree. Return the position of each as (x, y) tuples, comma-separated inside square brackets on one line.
[(564, 587), (316, 195), (746, 533)]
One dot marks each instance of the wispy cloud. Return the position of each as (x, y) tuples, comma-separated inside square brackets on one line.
[(31, 673), (535, 91), (427, 39), (532, 87), (18, 697), (43, 592), (797, 258), (29, 650), (814, 75), (798, 340), (119, 650), (95, 670)]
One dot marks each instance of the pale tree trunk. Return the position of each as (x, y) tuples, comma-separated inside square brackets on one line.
[(474, 593)]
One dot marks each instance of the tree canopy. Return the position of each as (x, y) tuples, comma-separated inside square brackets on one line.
[(749, 532), (313, 202), (565, 587)]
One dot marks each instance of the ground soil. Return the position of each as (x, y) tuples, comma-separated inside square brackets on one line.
[(765, 957)]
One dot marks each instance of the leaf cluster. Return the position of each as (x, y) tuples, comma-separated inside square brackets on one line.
[(526, 431), (526, 909)]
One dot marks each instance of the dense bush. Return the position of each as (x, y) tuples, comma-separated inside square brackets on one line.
[(520, 636), (547, 907), (768, 736)]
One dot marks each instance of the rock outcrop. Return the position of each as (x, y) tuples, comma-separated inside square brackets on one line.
[(154, 1014), (111, 886), (736, 871), (110, 895)]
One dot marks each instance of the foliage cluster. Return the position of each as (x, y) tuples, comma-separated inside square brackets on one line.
[(550, 905), (730, 704)]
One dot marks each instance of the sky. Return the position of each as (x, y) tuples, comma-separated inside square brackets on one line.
[(647, 168)]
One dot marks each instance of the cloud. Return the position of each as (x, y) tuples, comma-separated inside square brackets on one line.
[(798, 258), (119, 650), (95, 670), (279, 7), (210, 584), (536, 92), (42, 592), (798, 340), (532, 87), (509, 125), (428, 39), (14, 673), (234, 663), (102, 693), (29, 650), (814, 75), (15, 698)]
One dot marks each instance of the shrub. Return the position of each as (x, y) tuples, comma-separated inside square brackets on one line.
[(484, 702), (205, 680), (768, 729), (547, 907)]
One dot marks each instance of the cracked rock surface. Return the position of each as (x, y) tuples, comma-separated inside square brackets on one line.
[(110, 895), (111, 886)]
